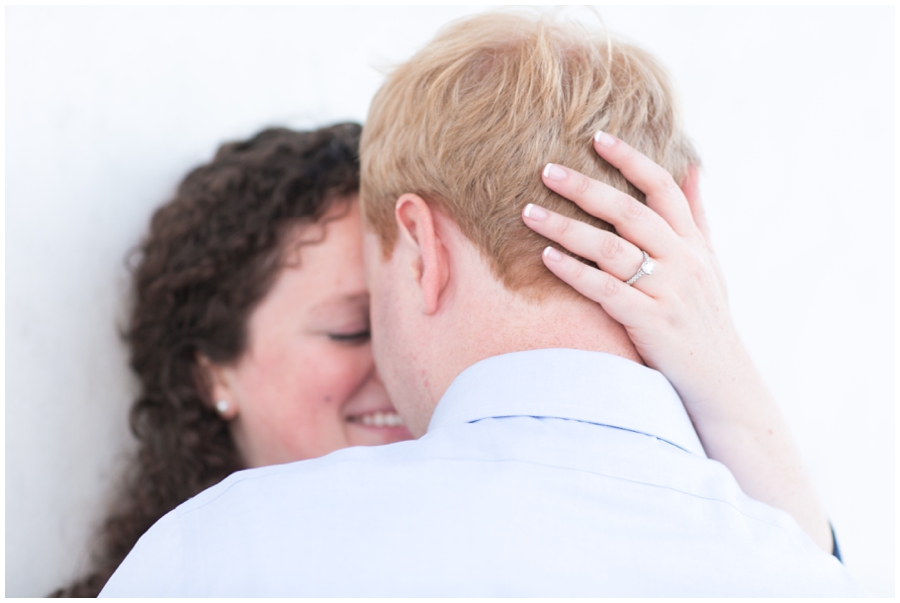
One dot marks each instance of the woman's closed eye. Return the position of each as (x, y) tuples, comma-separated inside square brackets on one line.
[(351, 338)]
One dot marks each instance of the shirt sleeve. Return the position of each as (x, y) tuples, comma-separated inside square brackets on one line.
[(154, 567)]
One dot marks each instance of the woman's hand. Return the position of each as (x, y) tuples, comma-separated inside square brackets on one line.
[(677, 317)]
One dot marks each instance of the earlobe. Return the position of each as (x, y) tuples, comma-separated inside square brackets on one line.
[(215, 384), (428, 260)]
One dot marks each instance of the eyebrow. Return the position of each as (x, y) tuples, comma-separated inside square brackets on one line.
[(336, 304)]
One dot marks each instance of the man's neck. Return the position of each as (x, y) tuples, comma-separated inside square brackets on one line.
[(512, 322), (478, 318), (563, 321)]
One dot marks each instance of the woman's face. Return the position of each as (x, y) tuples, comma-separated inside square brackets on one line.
[(307, 384)]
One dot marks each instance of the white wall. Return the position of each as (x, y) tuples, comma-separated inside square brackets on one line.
[(792, 110)]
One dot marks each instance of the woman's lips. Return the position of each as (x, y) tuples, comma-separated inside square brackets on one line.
[(378, 418)]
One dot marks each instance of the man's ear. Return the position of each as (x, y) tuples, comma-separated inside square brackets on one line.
[(428, 259), (215, 382)]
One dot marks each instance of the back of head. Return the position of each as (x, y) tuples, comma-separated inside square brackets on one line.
[(211, 255), (469, 122)]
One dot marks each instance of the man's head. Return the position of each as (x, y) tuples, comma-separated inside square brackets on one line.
[(451, 153)]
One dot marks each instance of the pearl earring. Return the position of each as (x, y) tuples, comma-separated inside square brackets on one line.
[(222, 407)]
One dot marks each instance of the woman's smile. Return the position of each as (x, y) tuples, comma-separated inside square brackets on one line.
[(307, 384), (379, 419)]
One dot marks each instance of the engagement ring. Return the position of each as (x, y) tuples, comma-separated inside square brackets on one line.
[(647, 267)]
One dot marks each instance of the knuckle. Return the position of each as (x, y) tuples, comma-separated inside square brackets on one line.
[(670, 319), (632, 209), (575, 271), (665, 182), (611, 247), (609, 287), (582, 185), (562, 226)]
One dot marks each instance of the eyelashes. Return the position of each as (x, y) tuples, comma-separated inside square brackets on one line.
[(357, 337)]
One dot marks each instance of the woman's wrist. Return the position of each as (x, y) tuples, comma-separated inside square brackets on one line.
[(723, 387), (747, 433)]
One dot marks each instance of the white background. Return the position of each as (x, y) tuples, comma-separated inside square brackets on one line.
[(791, 109)]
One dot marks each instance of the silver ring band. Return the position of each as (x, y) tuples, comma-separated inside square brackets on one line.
[(647, 267)]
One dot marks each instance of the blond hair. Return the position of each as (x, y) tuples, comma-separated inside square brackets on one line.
[(469, 122)]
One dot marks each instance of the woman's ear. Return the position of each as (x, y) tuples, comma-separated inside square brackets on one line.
[(214, 378)]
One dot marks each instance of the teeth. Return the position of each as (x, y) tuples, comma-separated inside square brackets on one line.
[(381, 419)]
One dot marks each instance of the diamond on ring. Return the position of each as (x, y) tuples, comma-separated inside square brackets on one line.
[(647, 266)]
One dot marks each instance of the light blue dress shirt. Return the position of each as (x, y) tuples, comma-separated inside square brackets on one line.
[(543, 473)]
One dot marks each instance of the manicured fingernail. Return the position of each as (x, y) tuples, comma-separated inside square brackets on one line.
[(554, 172), (534, 212), (552, 254), (604, 139)]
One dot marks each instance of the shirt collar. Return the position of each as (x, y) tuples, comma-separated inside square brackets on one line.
[(569, 384)]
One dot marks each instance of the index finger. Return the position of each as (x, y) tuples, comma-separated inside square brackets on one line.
[(664, 196)]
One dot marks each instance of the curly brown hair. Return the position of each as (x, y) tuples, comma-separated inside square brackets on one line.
[(212, 254)]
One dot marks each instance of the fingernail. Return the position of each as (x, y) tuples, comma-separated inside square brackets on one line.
[(534, 212), (604, 139), (552, 254), (554, 172)]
